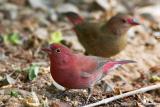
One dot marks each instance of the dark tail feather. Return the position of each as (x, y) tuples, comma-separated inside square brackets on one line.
[(125, 61), (74, 18)]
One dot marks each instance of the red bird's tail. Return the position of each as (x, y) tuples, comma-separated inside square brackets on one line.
[(74, 18), (114, 64)]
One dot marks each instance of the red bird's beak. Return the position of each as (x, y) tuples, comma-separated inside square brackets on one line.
[(47, 49), (133, 21)]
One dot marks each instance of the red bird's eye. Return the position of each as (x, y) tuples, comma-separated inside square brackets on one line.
[(58, 50)]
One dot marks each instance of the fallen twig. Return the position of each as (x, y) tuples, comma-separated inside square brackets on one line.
[(107, 100)]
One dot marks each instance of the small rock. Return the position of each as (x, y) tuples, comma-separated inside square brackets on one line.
[(45, 4), (2, 56), (2, 1), (41, 33), (38, 4), (131, 34), (66, 8), (156, 35), (53, 15), (13, 14), (9, 10), (42, 18), (148, 16), (152, 10), (104, 4)]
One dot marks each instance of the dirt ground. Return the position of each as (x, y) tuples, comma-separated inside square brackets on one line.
[(27, 26)]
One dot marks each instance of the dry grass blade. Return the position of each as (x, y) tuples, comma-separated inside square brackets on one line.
[(141, 90)]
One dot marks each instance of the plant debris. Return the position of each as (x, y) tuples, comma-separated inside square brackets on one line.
[(27, 26)]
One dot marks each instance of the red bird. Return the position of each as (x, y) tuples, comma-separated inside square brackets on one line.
[(76, 71), (102, 38)]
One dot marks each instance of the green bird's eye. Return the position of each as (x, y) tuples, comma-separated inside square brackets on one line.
[(123, 20)]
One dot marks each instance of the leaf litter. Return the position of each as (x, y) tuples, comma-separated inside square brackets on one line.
[(26, 29)]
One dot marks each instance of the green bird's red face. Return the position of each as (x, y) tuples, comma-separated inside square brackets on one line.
[(121, 23), (122, 20)]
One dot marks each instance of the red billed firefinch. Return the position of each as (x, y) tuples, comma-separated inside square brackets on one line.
[(77, 71)]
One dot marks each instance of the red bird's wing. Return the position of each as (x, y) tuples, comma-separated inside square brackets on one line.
[(89, 64)]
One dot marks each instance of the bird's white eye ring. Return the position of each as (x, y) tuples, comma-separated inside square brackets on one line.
[(58, 50)]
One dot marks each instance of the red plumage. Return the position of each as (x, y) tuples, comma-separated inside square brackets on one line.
[(76, 71)]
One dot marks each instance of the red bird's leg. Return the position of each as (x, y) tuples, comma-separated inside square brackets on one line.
[(90, 92), (67, 89), (107, 86), (64, 92)]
